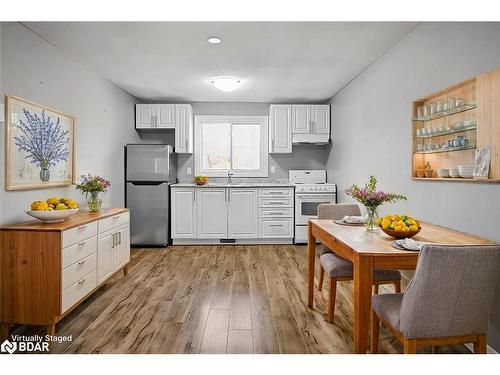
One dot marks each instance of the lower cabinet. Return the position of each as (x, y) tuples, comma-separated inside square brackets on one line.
[(113, 252), (211, 212), (242, 213), (202, 213)]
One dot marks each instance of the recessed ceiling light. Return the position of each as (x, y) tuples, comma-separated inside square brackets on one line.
[(214, 40), (226, 84)]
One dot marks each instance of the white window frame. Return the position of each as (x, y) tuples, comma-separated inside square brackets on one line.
[(262, 121)]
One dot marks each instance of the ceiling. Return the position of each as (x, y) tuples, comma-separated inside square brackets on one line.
[(276, 61)]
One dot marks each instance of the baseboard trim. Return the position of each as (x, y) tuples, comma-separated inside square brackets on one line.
[(489, 349), (256, 241)]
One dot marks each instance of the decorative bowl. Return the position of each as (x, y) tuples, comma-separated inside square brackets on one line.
[(55, 216), (454, 173), (400, 234), (200, 182), (443, 172)]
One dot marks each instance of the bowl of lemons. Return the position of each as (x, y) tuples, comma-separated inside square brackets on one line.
[(200, 180), (399, 226), (53, 210)]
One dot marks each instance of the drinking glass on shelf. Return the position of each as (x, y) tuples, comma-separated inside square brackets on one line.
[(420, 112), (439, 106), (451, 103), (459, 102)]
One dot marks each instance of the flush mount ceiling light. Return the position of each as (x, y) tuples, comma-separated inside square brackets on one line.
[(226, 84), (214, 40)]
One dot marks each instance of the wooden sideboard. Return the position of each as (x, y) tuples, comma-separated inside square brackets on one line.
[(49, 269)]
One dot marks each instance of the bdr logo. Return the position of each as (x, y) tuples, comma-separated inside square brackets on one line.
[(11, 347)]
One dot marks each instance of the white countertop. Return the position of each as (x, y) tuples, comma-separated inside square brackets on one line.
[(235, 185)]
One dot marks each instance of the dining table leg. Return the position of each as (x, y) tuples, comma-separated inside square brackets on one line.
[(311, 255), (363, 278)]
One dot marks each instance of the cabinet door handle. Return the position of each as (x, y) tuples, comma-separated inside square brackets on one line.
[(186, 145), (119, 238), (275, 225), (276, 192), (113, 241), (272, 145), (81, 243), (81, 262), (82, 281), (275, 213), (116, 217), (229, 196)]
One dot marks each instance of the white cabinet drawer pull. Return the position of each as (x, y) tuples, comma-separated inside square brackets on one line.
[(276, 192), (275, 225), (81, 262), (116, 217), (81, 243), (82, 281), (82, 227), (274, 213)]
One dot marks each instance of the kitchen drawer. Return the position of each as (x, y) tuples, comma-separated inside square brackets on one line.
[(78, 251), (78, 290), (75, 272), (275, 192), (79, 234), (275, 202), (113, 221), (276, 212), (274, 228)]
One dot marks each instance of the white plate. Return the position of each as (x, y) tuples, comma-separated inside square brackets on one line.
[(55, 216)]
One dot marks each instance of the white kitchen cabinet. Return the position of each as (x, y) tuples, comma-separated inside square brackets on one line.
[(242, 215), (320, 119), (183, 213), (211, 212), (105, 244), (301, 118), (144, 116), (280, 129), (165, 116), (122, 247), (184, 129)]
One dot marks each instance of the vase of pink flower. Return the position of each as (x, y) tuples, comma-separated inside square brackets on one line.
[(93, 187), (372, 199)]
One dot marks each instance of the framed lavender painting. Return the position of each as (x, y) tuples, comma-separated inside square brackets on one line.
[(40, 146)]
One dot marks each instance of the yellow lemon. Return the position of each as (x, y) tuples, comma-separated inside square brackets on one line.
[(53, 201), (386, 223), (39, 206), (61, 206), (413, 228)]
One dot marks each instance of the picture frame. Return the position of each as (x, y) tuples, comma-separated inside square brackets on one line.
[(39, 146)]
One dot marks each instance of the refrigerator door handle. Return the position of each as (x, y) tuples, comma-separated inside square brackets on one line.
[(146, 183)]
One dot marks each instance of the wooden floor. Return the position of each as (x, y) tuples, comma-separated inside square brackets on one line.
[(213, 299)]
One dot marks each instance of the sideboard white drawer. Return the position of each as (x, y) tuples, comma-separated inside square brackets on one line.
[(79, 234), (78, 290), (275, 192), (276, 212), (274, 228), (78, 251), (276, 202), (113, 221), (75, 272)]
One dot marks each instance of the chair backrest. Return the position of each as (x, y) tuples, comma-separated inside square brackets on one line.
[(452, 291), (337, 211)]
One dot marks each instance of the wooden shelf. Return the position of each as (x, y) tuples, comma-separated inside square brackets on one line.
[(481, 112), (458, 179)]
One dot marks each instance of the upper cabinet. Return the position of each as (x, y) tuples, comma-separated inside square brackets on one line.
[(184, 129), (280, 129), (168, 116), (297, 123)]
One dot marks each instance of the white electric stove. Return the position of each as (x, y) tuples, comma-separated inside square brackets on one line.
[(311, 190)]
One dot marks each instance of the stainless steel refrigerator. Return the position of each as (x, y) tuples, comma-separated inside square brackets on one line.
[(149, 170)]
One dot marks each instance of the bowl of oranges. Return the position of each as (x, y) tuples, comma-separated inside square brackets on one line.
[(200, 180), (53, 210), (399, 226)]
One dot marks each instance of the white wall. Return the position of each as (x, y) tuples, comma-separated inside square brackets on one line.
[(35, 70), (371, 128), (303, 156)]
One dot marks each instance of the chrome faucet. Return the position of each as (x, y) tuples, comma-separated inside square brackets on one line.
[(229, 175)]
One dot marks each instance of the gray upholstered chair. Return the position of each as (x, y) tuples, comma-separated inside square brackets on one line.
[(340, 269), (447, 302)]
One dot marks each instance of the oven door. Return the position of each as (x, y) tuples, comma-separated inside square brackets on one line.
[(306, 205)]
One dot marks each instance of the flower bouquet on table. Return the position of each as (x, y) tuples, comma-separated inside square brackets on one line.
[(92, 187), (371, 199)]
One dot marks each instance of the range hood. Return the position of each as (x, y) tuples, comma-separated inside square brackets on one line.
[(316, 139)]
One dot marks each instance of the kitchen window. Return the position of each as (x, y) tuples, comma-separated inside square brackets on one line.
[(236, 143)]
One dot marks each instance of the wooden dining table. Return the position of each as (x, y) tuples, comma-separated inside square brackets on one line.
[(368, 251)]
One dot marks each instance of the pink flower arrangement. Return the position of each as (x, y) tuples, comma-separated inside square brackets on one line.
[(91, 184), (370, 197)]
